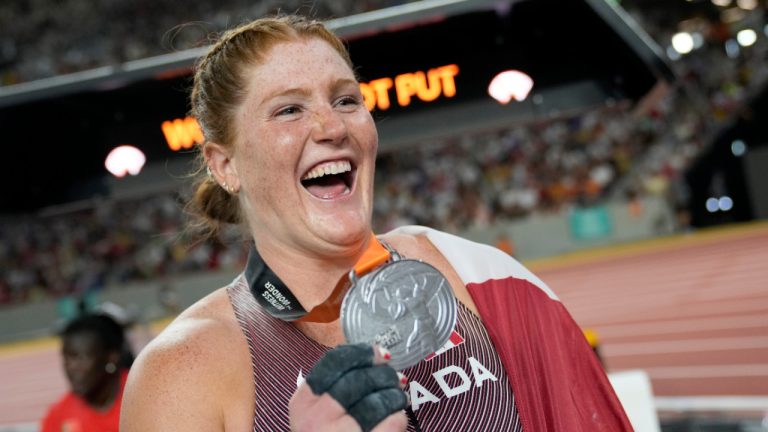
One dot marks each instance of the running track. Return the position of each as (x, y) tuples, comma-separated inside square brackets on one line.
[(692, 311)]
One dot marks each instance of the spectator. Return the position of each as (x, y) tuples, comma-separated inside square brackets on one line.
[(92, 351)]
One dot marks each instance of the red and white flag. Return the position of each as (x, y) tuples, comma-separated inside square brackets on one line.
[(453, 341)]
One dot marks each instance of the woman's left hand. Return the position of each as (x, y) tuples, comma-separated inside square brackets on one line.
[(350, 389)]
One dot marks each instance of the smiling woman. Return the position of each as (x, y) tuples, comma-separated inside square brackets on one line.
[(289, 155)]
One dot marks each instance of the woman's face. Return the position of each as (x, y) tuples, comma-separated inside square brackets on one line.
[(84, 363), (305, 151)]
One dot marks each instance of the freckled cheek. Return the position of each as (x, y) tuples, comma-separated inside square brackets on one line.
[(268, 166), (269, 148), (365, 131)]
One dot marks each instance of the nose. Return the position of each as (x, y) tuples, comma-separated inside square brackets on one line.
[(72, 364), (329, 126), (74, 371)]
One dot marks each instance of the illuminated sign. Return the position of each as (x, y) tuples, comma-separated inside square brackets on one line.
[(425, 86), (182, 133)]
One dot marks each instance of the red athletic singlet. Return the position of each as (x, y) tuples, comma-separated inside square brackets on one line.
[(463, 387)]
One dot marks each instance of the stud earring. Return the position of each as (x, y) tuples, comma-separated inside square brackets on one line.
[(110, 368), (227, 187)]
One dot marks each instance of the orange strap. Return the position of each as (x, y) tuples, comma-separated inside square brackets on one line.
[(330, 309), (374, 256)]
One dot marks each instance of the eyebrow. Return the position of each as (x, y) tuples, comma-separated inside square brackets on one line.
[(345, 81), (298, 91), (294, 91)]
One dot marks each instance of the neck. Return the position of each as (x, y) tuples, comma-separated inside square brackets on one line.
[(310, 277)]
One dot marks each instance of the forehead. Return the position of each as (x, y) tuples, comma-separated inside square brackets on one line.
[(297, 62), (82, 342)]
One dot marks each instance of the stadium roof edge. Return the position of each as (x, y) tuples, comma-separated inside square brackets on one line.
[(634, 36), (108, 77)]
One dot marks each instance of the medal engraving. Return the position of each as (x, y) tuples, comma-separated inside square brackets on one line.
[(406, 306)]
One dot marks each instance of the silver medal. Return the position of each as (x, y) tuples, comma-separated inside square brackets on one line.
[(406, 306)]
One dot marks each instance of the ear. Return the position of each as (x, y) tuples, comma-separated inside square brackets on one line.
[(222, 166)]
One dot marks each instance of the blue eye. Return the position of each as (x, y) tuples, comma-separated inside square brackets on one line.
[(347, 101), (288, 111)]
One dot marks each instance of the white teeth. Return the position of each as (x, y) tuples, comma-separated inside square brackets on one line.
[(336, 167)]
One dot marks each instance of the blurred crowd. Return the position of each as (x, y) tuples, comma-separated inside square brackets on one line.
[(627, 153), (44, 38), (109, 243), (455, 183), (474, 180)]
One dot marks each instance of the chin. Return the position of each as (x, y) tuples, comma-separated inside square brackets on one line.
[(344, 230), (80, 390)]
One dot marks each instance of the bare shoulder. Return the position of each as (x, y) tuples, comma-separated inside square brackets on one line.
[(421, 248), (190, 372), (416, 246)]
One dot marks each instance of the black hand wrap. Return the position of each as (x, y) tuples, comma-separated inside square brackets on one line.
[(368, 392)]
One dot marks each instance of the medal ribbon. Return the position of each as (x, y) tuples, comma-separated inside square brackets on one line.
[(278, 300)]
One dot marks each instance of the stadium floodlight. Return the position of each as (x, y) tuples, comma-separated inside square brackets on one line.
[(713, 204), (510, 84), (746, 37), (738, 148), (682, 42), (125, 159), (725, 203), (721, 3)]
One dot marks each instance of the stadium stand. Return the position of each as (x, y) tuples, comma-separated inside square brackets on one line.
[(39, 39), (455, 183)]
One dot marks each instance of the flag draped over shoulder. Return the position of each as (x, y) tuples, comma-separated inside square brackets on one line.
[(558, 382)]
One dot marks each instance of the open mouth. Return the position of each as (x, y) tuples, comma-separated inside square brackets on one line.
[(329, 180)]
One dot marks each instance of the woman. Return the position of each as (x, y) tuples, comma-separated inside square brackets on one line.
[(92, 350), (290, 151)]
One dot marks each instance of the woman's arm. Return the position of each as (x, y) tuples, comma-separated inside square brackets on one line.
[(194, 376)]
